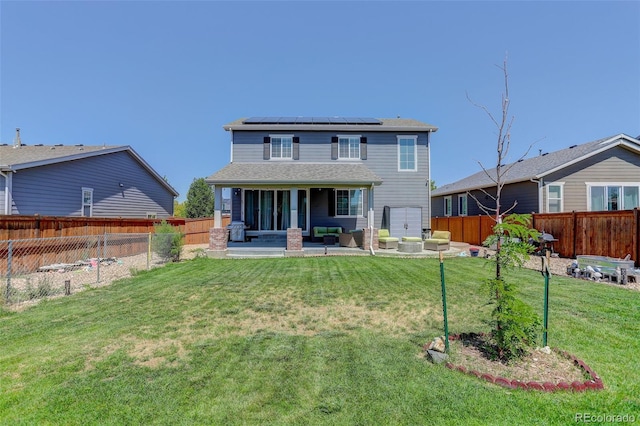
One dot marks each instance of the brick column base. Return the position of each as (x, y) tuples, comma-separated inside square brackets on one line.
[(366, 238), (294, 242), (218, 242)]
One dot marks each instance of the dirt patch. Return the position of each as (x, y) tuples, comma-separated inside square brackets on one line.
[(538, 366), (144, 352)]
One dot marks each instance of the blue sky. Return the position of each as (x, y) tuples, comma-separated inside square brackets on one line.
[(164, 77)]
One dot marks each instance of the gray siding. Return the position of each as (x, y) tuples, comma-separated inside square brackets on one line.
[(614, 165), (398, 188), (56, 189), (524, 193)]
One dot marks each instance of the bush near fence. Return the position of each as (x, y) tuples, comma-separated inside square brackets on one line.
[(609, 233), (18, 227)]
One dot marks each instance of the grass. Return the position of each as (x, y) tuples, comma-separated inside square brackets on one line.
[(326, 340)]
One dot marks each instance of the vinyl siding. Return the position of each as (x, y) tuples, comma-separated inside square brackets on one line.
[(524, 193), (56, 189), (407, 188), (614, 165)]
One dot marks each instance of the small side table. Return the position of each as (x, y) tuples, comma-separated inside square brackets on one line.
[(329, 240)]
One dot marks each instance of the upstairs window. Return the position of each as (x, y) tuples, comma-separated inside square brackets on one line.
[(349, 147), (407, 153), (281, 146)]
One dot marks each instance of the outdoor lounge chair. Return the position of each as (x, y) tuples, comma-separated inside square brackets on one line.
[(385, 241), (440, 240)]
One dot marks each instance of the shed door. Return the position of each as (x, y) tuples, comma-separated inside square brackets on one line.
[(405, 222)]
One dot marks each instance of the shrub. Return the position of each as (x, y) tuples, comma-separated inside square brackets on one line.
[(167, 241), (515, 325)]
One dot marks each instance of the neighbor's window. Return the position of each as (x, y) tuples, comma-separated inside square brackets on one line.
[(87, 202), (348, 146), (611, 197), (447, 205), (462, 205), (152, 215), (281, 146), (407, 153), (349, 202), (554, 197)]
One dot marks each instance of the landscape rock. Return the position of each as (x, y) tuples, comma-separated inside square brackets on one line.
[(437, 357), (438, 344)]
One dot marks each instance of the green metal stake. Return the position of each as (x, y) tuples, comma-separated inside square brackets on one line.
[(444, 303), (545, 272)]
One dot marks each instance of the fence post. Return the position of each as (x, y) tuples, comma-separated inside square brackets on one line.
[(98, 259), (149, 251), (9, 258)]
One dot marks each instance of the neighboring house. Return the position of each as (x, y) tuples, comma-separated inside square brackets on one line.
[(90, 181), (595, 176), (303, 172)]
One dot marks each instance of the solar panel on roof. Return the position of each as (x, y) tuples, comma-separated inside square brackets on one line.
[(312, 120)]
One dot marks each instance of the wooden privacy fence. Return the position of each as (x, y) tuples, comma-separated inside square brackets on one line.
[(610, 233), (16, 227)]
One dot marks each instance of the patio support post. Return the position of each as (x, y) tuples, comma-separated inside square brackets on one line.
[(217, 206)]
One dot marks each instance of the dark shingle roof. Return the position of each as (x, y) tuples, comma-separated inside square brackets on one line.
[(24, 155), (277, 173), (537, 167), (387, 125)]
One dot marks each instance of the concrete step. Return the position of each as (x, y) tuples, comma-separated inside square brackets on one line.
[(256, 252)]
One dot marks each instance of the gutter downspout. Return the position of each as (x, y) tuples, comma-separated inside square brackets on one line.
[(8, 183), (429, 181), (540, 186), (373, 253)]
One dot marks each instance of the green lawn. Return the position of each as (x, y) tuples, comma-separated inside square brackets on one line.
[(325, 340)]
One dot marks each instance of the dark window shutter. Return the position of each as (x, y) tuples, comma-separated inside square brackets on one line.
[(334, 148), (331, 202), (363, 148), (266, 148), (296, 148)]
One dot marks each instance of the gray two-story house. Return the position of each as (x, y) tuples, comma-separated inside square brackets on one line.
[(301, 172)]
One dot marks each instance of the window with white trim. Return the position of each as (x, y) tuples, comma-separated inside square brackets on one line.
[(349, 202), (349, 146), (87, 202), (447, 205), (554, 197), (407, 153), (462, 205), (281, 146), (613, 196)]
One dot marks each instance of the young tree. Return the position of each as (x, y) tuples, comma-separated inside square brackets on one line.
[(514, 323), (200, 200), (179, 209)]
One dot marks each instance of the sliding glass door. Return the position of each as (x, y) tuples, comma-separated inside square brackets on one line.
[(270, 210)]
